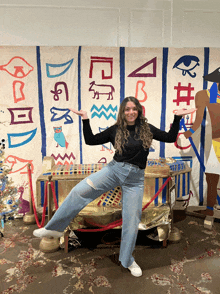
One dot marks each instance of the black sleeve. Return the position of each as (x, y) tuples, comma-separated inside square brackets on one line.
[(170, 136), (100, 138)]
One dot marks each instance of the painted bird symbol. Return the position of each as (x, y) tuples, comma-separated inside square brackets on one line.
[(24, 204), (59, 137)]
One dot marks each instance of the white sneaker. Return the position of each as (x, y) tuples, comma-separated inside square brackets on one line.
[(135, 269), (47, 233)]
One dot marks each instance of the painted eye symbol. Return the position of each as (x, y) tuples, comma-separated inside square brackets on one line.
[(188, 62), (17, 67)]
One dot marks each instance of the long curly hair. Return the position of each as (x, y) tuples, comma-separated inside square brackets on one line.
[(142, 129)]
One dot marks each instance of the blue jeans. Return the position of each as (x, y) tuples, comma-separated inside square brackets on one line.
[(131, 180)]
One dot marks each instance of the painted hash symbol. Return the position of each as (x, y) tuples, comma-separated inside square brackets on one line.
[(186, 98)]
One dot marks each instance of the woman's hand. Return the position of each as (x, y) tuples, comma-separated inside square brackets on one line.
[(81, 113), (184, 111)]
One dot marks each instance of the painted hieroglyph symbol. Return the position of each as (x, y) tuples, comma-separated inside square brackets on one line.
[(18, 164), (102, 90), (103, 60), (17, 67), (26, 136), (187, 63), (22, 115), (138, 72), (57, 70), (18, 93), (61, 113), (58, 92)]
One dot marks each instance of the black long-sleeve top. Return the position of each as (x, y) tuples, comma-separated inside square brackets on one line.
[(133, 151)]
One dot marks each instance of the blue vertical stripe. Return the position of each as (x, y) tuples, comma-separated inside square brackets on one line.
[(188, 179), (57, 191), (184, 184), (80, 104), (41, 105), (202, 137), (178, 187), (164, 192), (156, 190), (42, 192), (164, 97), (122, 73)]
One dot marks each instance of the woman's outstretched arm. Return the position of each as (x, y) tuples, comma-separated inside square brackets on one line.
[(90, 138)]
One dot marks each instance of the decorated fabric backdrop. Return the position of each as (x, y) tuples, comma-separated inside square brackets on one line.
[(39, 84)]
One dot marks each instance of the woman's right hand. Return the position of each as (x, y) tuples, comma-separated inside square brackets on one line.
[(81, 113)]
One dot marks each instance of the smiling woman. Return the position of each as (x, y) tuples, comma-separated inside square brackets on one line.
[(131, 113)]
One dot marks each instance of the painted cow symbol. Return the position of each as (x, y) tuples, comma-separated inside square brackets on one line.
[(102, 90)]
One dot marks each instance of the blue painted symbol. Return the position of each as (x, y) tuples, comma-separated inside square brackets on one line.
[(31, 133), (59, 137), (61, 113), (103, 111), (151, 149), (187, 63), (64, 67), (110, 144)]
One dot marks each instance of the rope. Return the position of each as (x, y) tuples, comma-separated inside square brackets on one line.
[(45, 200), (54, 195), (119, 222)]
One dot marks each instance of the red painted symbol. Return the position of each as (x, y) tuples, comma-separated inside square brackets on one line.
[(102, 160), (137, 72), (105, 148), (18, 164), (18, 93), (17, 67), (178, 146), (65, 159), (186, 98), (95, 59), (142, 84)]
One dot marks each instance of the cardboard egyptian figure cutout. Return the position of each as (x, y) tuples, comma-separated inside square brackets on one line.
[(210, 99)]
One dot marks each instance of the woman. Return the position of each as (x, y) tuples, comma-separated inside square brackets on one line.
[(131, 136)]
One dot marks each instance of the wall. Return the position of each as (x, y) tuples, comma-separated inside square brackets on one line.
[(142, 23), (110, 24)]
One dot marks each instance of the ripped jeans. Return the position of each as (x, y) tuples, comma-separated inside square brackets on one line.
[(131, 180)]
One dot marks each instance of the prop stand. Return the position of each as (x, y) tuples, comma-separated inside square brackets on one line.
[(175, 235), (29, 217), (104, 213), (48, 245)]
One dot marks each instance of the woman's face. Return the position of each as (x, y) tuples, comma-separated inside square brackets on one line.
[(131, 113)]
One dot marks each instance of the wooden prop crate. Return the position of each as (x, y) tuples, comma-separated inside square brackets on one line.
[(107, 208)]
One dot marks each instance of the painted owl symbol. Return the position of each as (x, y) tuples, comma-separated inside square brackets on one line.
[(59, 137)]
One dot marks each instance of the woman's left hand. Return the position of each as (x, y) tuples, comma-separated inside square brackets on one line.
[(184, 111)]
